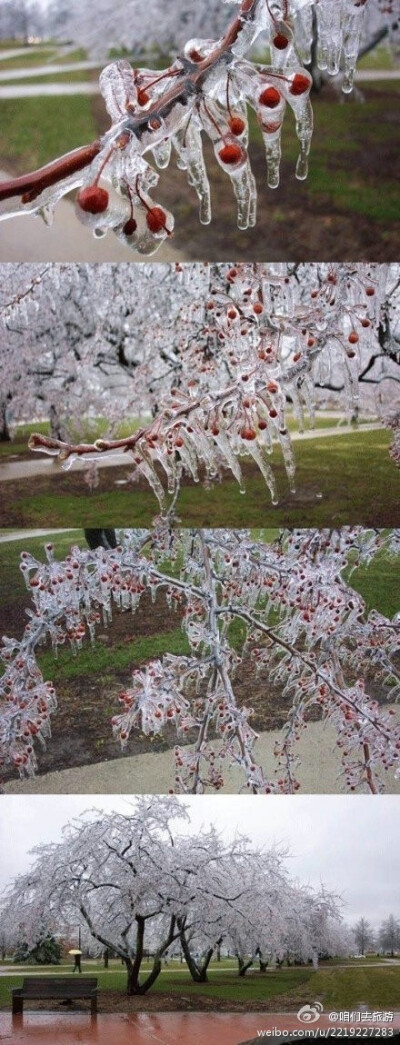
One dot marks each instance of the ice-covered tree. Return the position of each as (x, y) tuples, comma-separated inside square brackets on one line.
[(209, 89), (136, 28), (131, 26), (306, 628), (21, 20), (140, 882), (364, 935), (389, 935)]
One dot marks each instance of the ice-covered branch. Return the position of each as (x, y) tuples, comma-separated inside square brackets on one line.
[(306, 630), (208, 88)]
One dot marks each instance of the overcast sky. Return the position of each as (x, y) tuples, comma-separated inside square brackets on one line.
[(350, 843)]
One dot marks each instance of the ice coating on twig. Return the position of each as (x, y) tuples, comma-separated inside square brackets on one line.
[(207, 90)]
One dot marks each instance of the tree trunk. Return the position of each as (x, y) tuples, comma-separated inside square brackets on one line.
[(56, 429), (5, 434), (243, 965), (198, 971), (132, 983), (133, 966), (263, 964), (105, 538)]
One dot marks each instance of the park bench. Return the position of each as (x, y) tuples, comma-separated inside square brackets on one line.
[(60, 988)]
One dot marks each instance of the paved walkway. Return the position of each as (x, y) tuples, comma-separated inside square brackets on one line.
[(373, 75), (162, 1028), (47, 70), (50, 466), (22, 535), (48, 89), (153, 772)]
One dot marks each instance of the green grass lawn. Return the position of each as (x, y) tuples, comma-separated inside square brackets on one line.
[(12, 584), (224, 983), (36, 130), (108, 660), (340, 135), (335, 987), (378, 583), (346, 988), (380, 58), (37, 56)]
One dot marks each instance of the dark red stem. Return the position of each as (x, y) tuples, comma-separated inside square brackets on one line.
[(31, 185)]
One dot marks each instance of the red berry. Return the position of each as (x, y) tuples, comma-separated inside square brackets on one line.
[(143, 97), (130, 227), (270, 97), (300, 84), (280, 41), (93, 199), (237, 126), (156, 218), (230, 154), (258, 308), (353, 337)]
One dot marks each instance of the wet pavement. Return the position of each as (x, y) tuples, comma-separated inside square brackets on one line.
[(163, 1028)]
